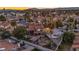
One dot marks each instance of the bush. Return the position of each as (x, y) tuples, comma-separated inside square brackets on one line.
[(2, 18), (5, 34), (35, 49), (68, 37), (19, 32)]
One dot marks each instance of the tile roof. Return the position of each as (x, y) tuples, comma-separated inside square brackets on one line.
[(34, 26), (8, 46), (75, 46), (76, 41)]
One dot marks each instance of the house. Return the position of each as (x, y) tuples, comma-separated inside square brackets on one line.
[(6, 25), (41, 40), (6, 46), (34, 26), (75, 45), (22, 21)]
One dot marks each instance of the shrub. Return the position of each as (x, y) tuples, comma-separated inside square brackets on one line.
[(68, 37)]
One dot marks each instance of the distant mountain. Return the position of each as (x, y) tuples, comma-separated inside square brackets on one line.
[(68, 8), (63, 8)]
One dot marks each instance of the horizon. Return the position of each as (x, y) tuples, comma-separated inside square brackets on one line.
[(24, 8), (14, 8)]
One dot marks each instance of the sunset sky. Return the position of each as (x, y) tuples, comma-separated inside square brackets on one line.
[(14, 8), (39, 3)]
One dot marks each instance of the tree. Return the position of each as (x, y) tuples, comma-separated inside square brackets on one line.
[(1, 31), (27, 16), (13, 23), (58, 23), (68, 37), (5, 34), (19, 32), (71, 19), (71, 23), (2, 18)]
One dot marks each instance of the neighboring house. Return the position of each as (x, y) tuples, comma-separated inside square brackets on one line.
[(41, 40), (76, 18), (35, 26), (22, 21), (6, 25), (75, 45), (6, 46)]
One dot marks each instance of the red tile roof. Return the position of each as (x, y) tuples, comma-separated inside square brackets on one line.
[(34, 26), (76, 41), (8, 46), (75, 46)]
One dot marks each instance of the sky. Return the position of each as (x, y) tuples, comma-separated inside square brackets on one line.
[(39, 3)]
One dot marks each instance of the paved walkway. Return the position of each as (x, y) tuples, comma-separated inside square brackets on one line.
[(31, 45), (37, 46)]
